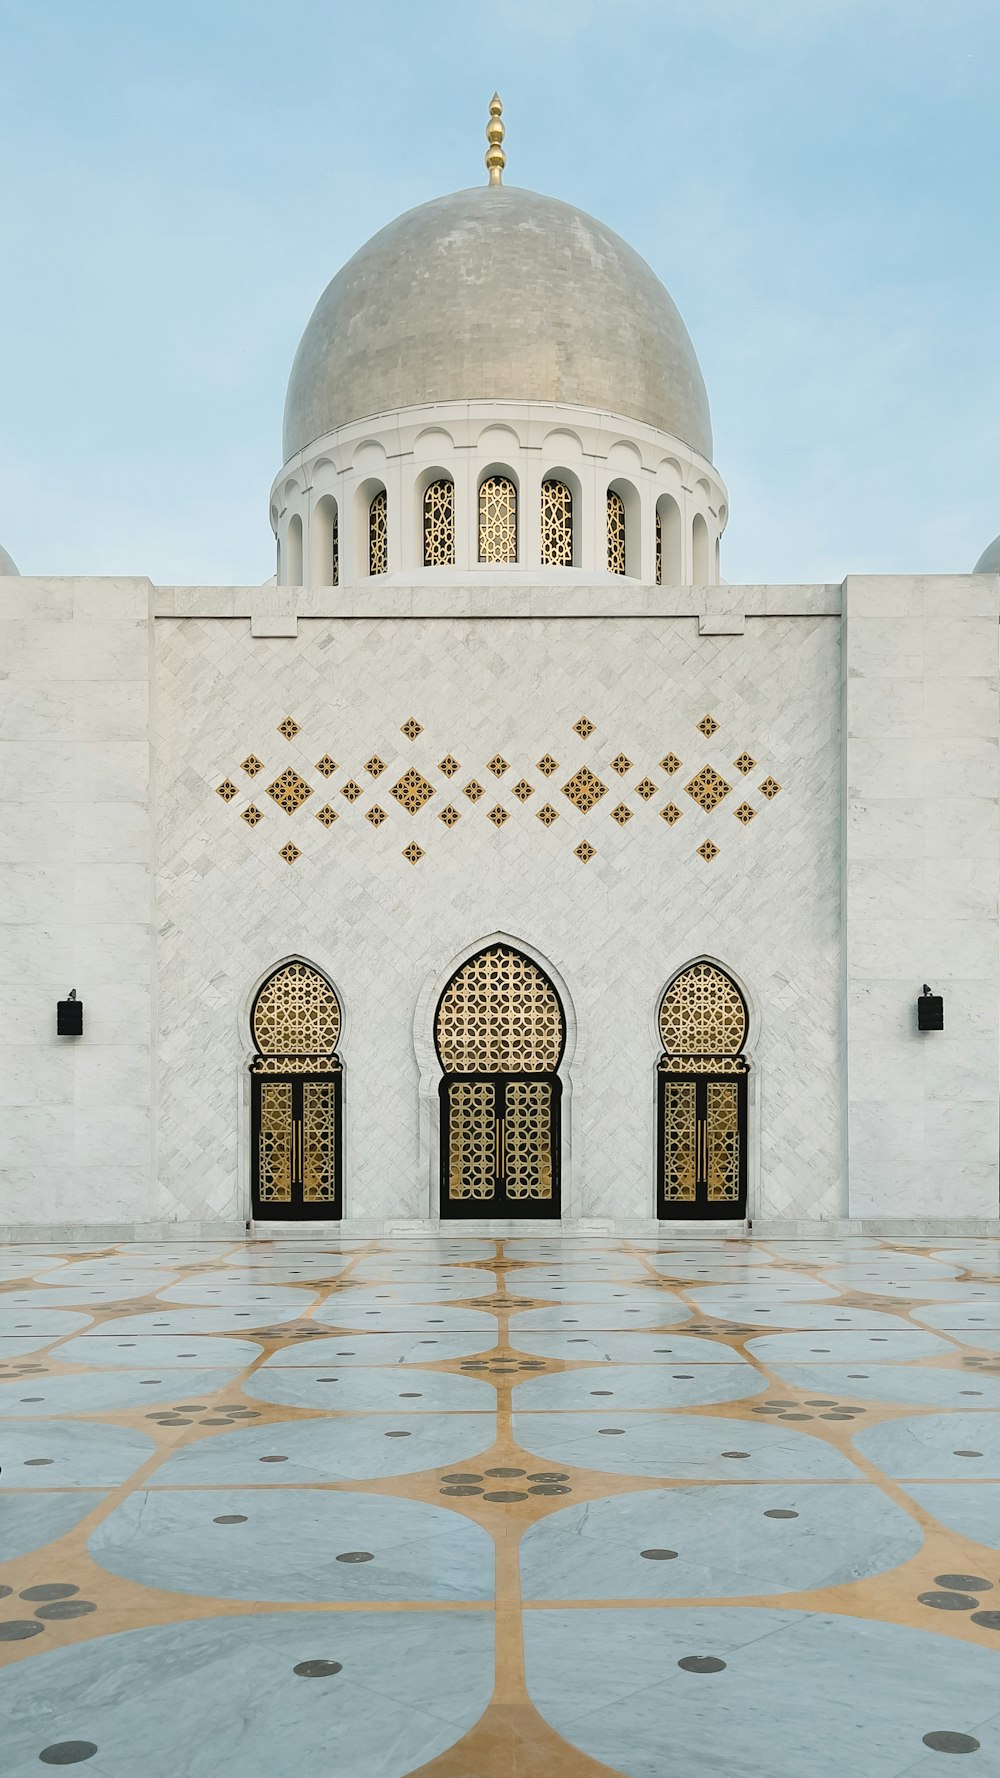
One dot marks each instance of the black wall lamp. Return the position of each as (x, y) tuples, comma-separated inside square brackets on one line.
[(930, 1011), (69, 1016)]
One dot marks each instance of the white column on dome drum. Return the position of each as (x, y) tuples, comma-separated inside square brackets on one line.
[(466, 510), (671, 540), (529, 512), (292, 567), (700, 553), (320, 562)]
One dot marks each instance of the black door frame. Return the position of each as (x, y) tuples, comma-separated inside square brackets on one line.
[(297, 1210), (700, 1208), (499, 1205)]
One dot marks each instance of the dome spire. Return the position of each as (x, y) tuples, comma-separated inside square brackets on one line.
[(496, 160)]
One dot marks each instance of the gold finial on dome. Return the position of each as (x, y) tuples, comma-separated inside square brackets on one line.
[(496, 160)]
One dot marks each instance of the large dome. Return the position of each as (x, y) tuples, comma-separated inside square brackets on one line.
[(496, 294), (989, 561), (7, 563)]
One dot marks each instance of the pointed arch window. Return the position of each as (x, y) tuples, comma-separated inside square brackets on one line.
[(378, 533), (296, 1097), (497, 520), (500, 1032), (557, 524), (439, 524), (616, 533), (702, 1097)]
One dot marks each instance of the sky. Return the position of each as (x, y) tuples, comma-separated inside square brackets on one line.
[(815, 181)]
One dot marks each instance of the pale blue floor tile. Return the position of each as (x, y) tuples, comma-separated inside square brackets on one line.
[(234, 1293), (69, 1296), (603, 1291), (381, 1390), (654, 1310), (659, 1385), (968, 1317), (622, 1348), (911, 1385), (258, 1543), (366, 1315), (221, 1698), (970, 1508), (105, 1392), (722, 1539), (848, 1348), (936, 1446), (30, 1521), (473, 1283), (46, 1323), (680, 1445), (198, 1318), (158, 1352), (351, 1447), (70, 1454), (832, 1316), (799, 1695)]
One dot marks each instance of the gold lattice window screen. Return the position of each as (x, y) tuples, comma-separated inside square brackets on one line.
[(378, 533), (702, 1013), (616, 533), (439, 525), (497, 520), (499, 1015), (557, 525), (297, 1013)]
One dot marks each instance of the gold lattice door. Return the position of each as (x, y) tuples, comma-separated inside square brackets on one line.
[(296, 1146), (701, 1146), (500, 1145)]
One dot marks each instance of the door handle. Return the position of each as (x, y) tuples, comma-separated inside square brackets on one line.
[(500, 1147)]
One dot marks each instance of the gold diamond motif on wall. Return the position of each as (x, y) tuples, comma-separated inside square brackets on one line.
[(646, 788), (621, 764), (289, 728), (498, 815), (584, 728), (351, 790), (671, 814), (708, 788), (744, 762), (413, 852), (227, 790), (547, 765), (497, 765), (289, 790), (522, 790), (449, 765), (621, 814), (326, 816), (449, 815), (251, 815), (326, 765), (547, 814), (584, 852), (708, 850), (473, 791), (745, 814), (252, 765), (769, 788), (708, 726), (290, 852), (584, 789), (376, 816), (375, 766), (671, 763), (411, 728), (413, 791)]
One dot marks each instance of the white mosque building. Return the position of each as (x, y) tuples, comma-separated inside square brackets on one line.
[(499, 860)]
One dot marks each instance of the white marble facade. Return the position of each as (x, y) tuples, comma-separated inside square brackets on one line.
[(126, 876)]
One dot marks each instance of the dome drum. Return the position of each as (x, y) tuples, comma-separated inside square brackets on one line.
[(671, 494)]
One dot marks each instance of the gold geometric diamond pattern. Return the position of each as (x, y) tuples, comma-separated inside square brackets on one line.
[(412, 791), (708, 726), (769, 788), (584, 789), (584, 728), (252, 765), (449, 765), (547, 765), (326, 765), (227, 790), (411, 728), (251, 815), (375, 766), (289, 728), (290, 852), (646, 788), (621, 764), (547, 814), (671, 814), (707, 850), (584, 852), (671, 763), (745, 814), (522, 790), (708, 788), (744, 762), (289, 790), (497, 765), (326, 816)]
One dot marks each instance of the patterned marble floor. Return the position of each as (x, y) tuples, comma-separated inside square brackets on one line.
[(536, 1508)]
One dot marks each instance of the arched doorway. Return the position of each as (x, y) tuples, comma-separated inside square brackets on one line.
[(701, 1150), (500, 1032), (296, 1097)]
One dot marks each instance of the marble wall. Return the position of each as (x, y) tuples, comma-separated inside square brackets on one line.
[(75, 900), (387, 931), (921, 785)]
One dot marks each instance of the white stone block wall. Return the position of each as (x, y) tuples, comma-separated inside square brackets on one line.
[(613, 930), (75, 900), (921, 785)]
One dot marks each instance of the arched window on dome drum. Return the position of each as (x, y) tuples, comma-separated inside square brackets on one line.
[(497, 520), (296, 1096), (557, 525), (702, 1097), (616, 533), (439, 524), (378, 533)]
